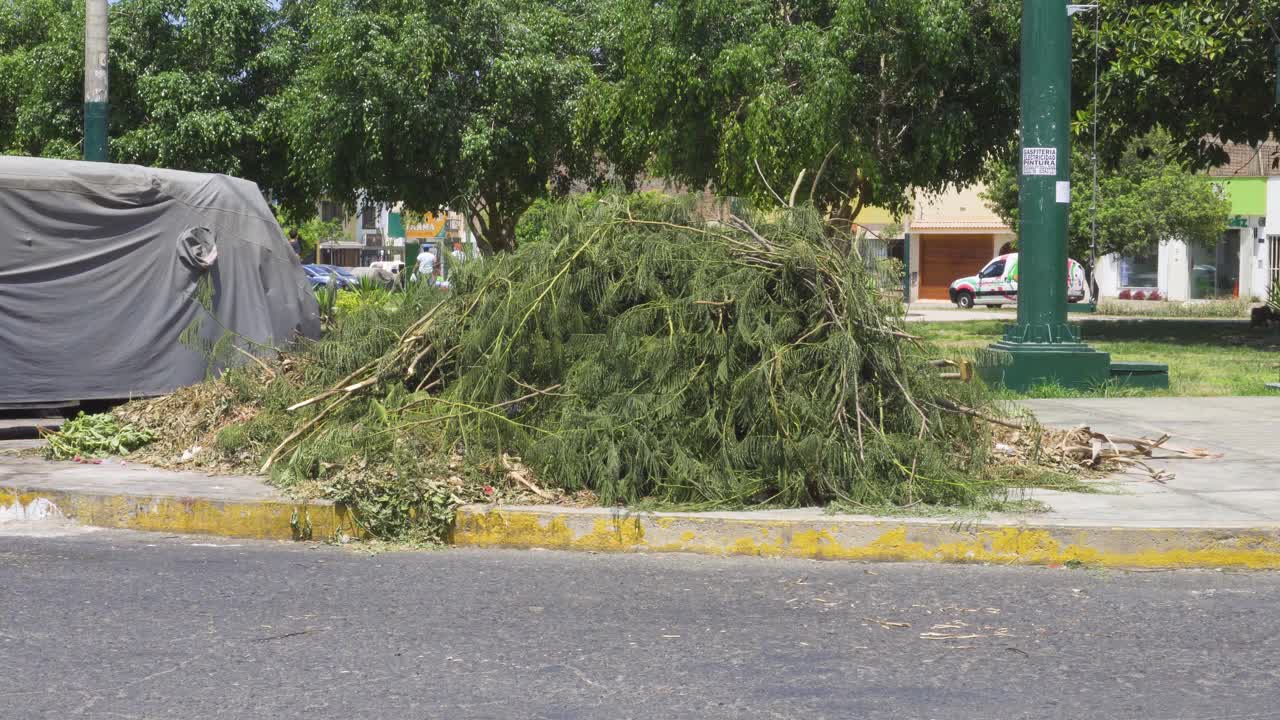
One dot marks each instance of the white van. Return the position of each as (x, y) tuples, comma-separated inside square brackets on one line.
[(997, 284), (392, 266)]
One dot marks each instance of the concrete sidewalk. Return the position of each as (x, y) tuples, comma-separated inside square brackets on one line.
[(949, 313), (124, 495), (1242, 488), (1218, 512)]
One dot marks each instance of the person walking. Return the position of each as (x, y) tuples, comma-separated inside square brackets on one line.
[(426, 268)]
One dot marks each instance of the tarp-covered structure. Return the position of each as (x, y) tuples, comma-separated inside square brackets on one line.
[(121, 281)]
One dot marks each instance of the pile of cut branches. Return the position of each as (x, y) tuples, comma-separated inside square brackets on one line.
[(633, 355)]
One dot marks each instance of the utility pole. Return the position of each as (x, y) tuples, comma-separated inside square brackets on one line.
[(95, 80), (1042, 347)]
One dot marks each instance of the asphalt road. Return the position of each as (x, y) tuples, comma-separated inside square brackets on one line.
[(122, 625)]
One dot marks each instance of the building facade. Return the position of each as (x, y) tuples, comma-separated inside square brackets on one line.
[(380, 232), (365, 236), (948, 236), (437, 232), (1244, 263), (953, 234)]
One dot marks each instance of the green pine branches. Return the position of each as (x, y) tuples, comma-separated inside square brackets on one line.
[(714, 363), (638, 351)]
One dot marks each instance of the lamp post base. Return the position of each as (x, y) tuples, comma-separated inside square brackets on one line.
[(1021, 366)]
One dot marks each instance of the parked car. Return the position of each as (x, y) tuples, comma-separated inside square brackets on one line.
[(319, 276), (315, 277), (997, 284), (343, 274)]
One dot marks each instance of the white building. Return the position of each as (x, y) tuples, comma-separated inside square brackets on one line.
[(366, 236), (1244, 263)]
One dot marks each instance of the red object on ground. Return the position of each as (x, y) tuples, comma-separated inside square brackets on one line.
[(1155, 295), (488, 490), (1139, 295), (1125, 295)]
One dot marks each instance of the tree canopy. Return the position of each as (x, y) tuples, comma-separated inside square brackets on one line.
[(1203, 70), (41, 78), (1148, 198), (462, 102), (188, 80), (863, 98), (490, 105)]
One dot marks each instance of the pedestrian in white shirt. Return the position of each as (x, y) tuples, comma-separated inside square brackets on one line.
[(426, 265)]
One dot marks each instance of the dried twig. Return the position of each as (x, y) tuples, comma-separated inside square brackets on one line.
[(306, 427), (791, 201), (256, 359), (517, 471), (958, 408)]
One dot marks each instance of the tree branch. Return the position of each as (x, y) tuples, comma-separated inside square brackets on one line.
[(477, 222), (766, 183), (813, 187)]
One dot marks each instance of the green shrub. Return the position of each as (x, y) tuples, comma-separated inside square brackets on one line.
[(89, 436), (1229, 308)]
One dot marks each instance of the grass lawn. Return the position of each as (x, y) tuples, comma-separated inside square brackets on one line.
[(1205, 358)]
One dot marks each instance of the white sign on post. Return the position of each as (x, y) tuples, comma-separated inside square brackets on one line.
[(1039, 161), (1063, 191)]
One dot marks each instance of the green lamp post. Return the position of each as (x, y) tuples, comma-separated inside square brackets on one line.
[(95, 80), (1042, 347)]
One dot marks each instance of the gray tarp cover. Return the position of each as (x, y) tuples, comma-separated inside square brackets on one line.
[(99, 266)]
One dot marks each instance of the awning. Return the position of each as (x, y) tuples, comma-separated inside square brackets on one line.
[(957, 225)]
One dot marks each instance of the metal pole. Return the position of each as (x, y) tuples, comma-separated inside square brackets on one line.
[(1042, 347), (1093, 206), (1044, 190), (95, 80), (906, 269)]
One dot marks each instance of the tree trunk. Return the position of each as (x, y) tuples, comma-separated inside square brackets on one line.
[(840, 218), (502, 236), (493, 223)]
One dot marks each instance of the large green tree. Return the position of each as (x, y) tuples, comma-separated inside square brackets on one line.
[(1204, 70), (41, 77), (865, 98), (1149, 197), (196, 76), (466, 103), (189, 79)]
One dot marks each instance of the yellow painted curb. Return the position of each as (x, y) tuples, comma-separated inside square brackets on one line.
[(265, 520), (834, 538)]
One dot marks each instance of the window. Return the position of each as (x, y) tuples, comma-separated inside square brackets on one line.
[(1215, 271), (369, 218), (329, 212), (1139, 271), (994, 270), (1274, 266)]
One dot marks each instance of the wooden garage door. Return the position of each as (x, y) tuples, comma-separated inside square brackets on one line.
[(944, 258)]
